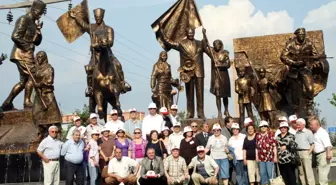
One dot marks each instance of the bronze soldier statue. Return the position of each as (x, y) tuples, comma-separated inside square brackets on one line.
[(192, 64), (45, 109), (162, 82), (266, 106), (300, 55), (220, 80), (98, 45), (243, 88), (26, 34)]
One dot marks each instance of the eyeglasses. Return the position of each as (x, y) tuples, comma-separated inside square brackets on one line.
[(114, 114), (137, 132), (120, 132), (194, 126), (217, 130), (54, 132), (263, 126)]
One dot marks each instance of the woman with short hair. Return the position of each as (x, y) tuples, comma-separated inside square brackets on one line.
[(138, 146)]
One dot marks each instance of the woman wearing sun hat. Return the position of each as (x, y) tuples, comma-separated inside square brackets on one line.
[(188, 145)]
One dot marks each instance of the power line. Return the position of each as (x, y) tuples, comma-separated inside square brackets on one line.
[(135, 51)]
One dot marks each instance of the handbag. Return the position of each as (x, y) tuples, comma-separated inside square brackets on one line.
[(278, 180)]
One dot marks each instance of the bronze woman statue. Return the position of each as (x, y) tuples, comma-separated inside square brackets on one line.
[(162, 82), (220, 80)]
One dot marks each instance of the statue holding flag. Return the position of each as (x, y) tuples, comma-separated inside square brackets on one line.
[(176, 29), (105, 77)]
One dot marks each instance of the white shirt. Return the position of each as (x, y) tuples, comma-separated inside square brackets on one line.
[(122, 168), (90, 128), (114, 126), (173, 118), (322, 140), (174, 140), (291, 130), (50, 147), (150, 123), (82, 129), (237, 144), (93, 152)]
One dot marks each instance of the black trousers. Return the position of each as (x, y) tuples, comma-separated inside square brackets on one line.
[(151, 181), (71, 170), (287, 172)]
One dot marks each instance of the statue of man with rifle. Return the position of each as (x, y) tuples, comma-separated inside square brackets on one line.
[(26, 35), (300, 55)]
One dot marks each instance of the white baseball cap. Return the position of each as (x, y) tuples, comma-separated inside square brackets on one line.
[(187, 129), (114, 111), (263, 123), (165, 128), (164, 110), (177, 124), (200, 148), (175, 147), (76, 118), (93, 115), (95, 131), (282, 118), (293, 118), (284, 124), (216, 126), (247, 121), (132, 110), (152, 106), (105, 129), (235, 126), (174, 107)]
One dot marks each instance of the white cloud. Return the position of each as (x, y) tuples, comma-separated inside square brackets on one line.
[(238, 18), (324, 18)]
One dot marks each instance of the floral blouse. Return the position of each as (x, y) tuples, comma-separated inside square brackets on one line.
[(265, 146)]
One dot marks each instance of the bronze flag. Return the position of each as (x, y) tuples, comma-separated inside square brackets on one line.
[(175, 20), (68, 26)]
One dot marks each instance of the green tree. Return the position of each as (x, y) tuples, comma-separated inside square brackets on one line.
[(333, 99), (182, 115), (317, 113)]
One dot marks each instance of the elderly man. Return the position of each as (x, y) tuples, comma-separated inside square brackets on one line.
[(194, 128), (132, 123), (173, 113), (305, 147), (205, 169), (72, 151), (153, 121), (152, 171), (77, 126), (114, 124), (202, 137), (322, 150), (49, 150), (94, 125), (175, 138), (120, 170), (176, 168)]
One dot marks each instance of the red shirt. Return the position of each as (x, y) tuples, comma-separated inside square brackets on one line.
[(265, 146)]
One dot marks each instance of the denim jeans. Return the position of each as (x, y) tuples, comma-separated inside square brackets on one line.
[(241, 173), (93, 171), (266, 172)]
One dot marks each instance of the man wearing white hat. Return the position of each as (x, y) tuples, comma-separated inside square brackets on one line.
[(132, 123), (173, 113), (205, 169), (77, 125), (114, 124), (176, 137), (94, 125), (153, 121), (93, 162), (247, 121), (176, 168)]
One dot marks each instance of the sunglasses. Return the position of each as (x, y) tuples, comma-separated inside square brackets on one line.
[(194, 126), (264, 127), (120, 132), (114, 114), (217, 130), (95, 134), (54, 132), (137, 132)]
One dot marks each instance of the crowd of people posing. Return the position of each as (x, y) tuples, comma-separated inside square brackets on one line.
[(158, 150)]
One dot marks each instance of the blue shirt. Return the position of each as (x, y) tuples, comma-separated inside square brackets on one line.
[(73, 152), (130, 125), (50, 148)]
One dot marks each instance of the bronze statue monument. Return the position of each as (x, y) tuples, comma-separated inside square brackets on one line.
[(105, 77), (26, 35), (162, 82), (245, 92), (220, 80)]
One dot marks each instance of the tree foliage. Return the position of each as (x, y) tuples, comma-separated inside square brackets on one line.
[(182, 115), (317, 113), (333, 99)]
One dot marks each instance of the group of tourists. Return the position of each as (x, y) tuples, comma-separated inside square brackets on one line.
[(158, 150)]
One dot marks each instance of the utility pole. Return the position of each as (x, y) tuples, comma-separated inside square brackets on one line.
[(27, 4)]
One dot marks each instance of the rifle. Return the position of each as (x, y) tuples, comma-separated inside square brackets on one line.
[(309, 59)]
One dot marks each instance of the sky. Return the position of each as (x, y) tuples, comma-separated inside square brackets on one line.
[(137, 49)]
